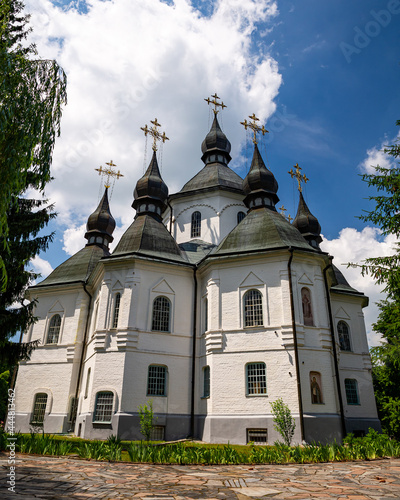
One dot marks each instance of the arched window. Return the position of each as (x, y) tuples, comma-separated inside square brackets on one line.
[(316, 388), (307, 309), (157, 381), (344, 336), (256, 379), (351, 387), (253, 315), (195, 230), (116, 310), (87, 383), (206, 382), (104, 407), (39, 409), (240, 216), (54, 329), (161, 314)]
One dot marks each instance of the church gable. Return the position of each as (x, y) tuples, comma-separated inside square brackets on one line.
[(251, 280), (305, 280), (342, 314), (56, 308), (163, 287)]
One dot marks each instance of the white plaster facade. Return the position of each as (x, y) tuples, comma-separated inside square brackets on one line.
[(206, 333)]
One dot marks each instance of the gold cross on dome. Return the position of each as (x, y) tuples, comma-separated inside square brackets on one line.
[(300, 178), (154, 132), (109, 172), (289, 218), (283, 210), (254, 127), (214, 101)]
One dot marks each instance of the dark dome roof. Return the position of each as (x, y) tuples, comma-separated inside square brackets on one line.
[(101, 219), (306, 222), (216, 139), (260, 179), (151, 184)]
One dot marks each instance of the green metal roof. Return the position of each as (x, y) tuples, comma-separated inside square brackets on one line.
[(262, 229), (213, 175), (147, 235), (76, 268)]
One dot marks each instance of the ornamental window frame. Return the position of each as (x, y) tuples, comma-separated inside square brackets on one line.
[(105, 408), (55, 333), (248, 322), (195, 224), (160, 317), (40, 409), (256, 379), (157, 382), (344, 336), (116, 309)]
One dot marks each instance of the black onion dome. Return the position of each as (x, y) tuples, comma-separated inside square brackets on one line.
[(214, 143), (307, 223), (260, 183), (150, 191), (101, 223)]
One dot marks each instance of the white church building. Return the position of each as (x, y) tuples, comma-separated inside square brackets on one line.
[(212, 305)]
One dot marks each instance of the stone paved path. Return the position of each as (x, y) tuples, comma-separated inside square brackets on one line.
[(63, 478)]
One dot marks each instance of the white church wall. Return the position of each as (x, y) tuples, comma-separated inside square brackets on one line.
[(218, 215)]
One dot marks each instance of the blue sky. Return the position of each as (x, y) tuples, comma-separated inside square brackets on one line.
[(323, 76)]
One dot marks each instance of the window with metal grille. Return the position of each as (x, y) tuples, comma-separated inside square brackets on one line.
[(156, 381), (351, 388), (54, 329), (206, 382), (240, 216), (256, 378), (104, 407), (344, 336), (253, 315), (157, 433), (39, 409), (195, 229), (257, 436), (161, 313), (116, 310)]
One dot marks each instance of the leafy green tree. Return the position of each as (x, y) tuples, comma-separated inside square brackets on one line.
[(32, 92), (284, 422), (386, 271), (146, 415)]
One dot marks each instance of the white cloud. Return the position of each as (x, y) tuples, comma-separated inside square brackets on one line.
[(128, 62), (41, 266), (377, 156), (73, 239), (355, 246)]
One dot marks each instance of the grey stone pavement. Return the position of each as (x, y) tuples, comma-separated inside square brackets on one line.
[(62, 478)]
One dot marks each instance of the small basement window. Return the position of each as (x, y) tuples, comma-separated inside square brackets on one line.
[(158, 433), (257, 436)]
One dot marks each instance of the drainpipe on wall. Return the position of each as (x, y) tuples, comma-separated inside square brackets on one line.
[(193, 354), (78, 382), (335, 359), (296, 351)]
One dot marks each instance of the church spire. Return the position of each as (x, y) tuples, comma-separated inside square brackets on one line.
[(151, 192), (216, 146), (305, 221), (100, 224), (259, 185)]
